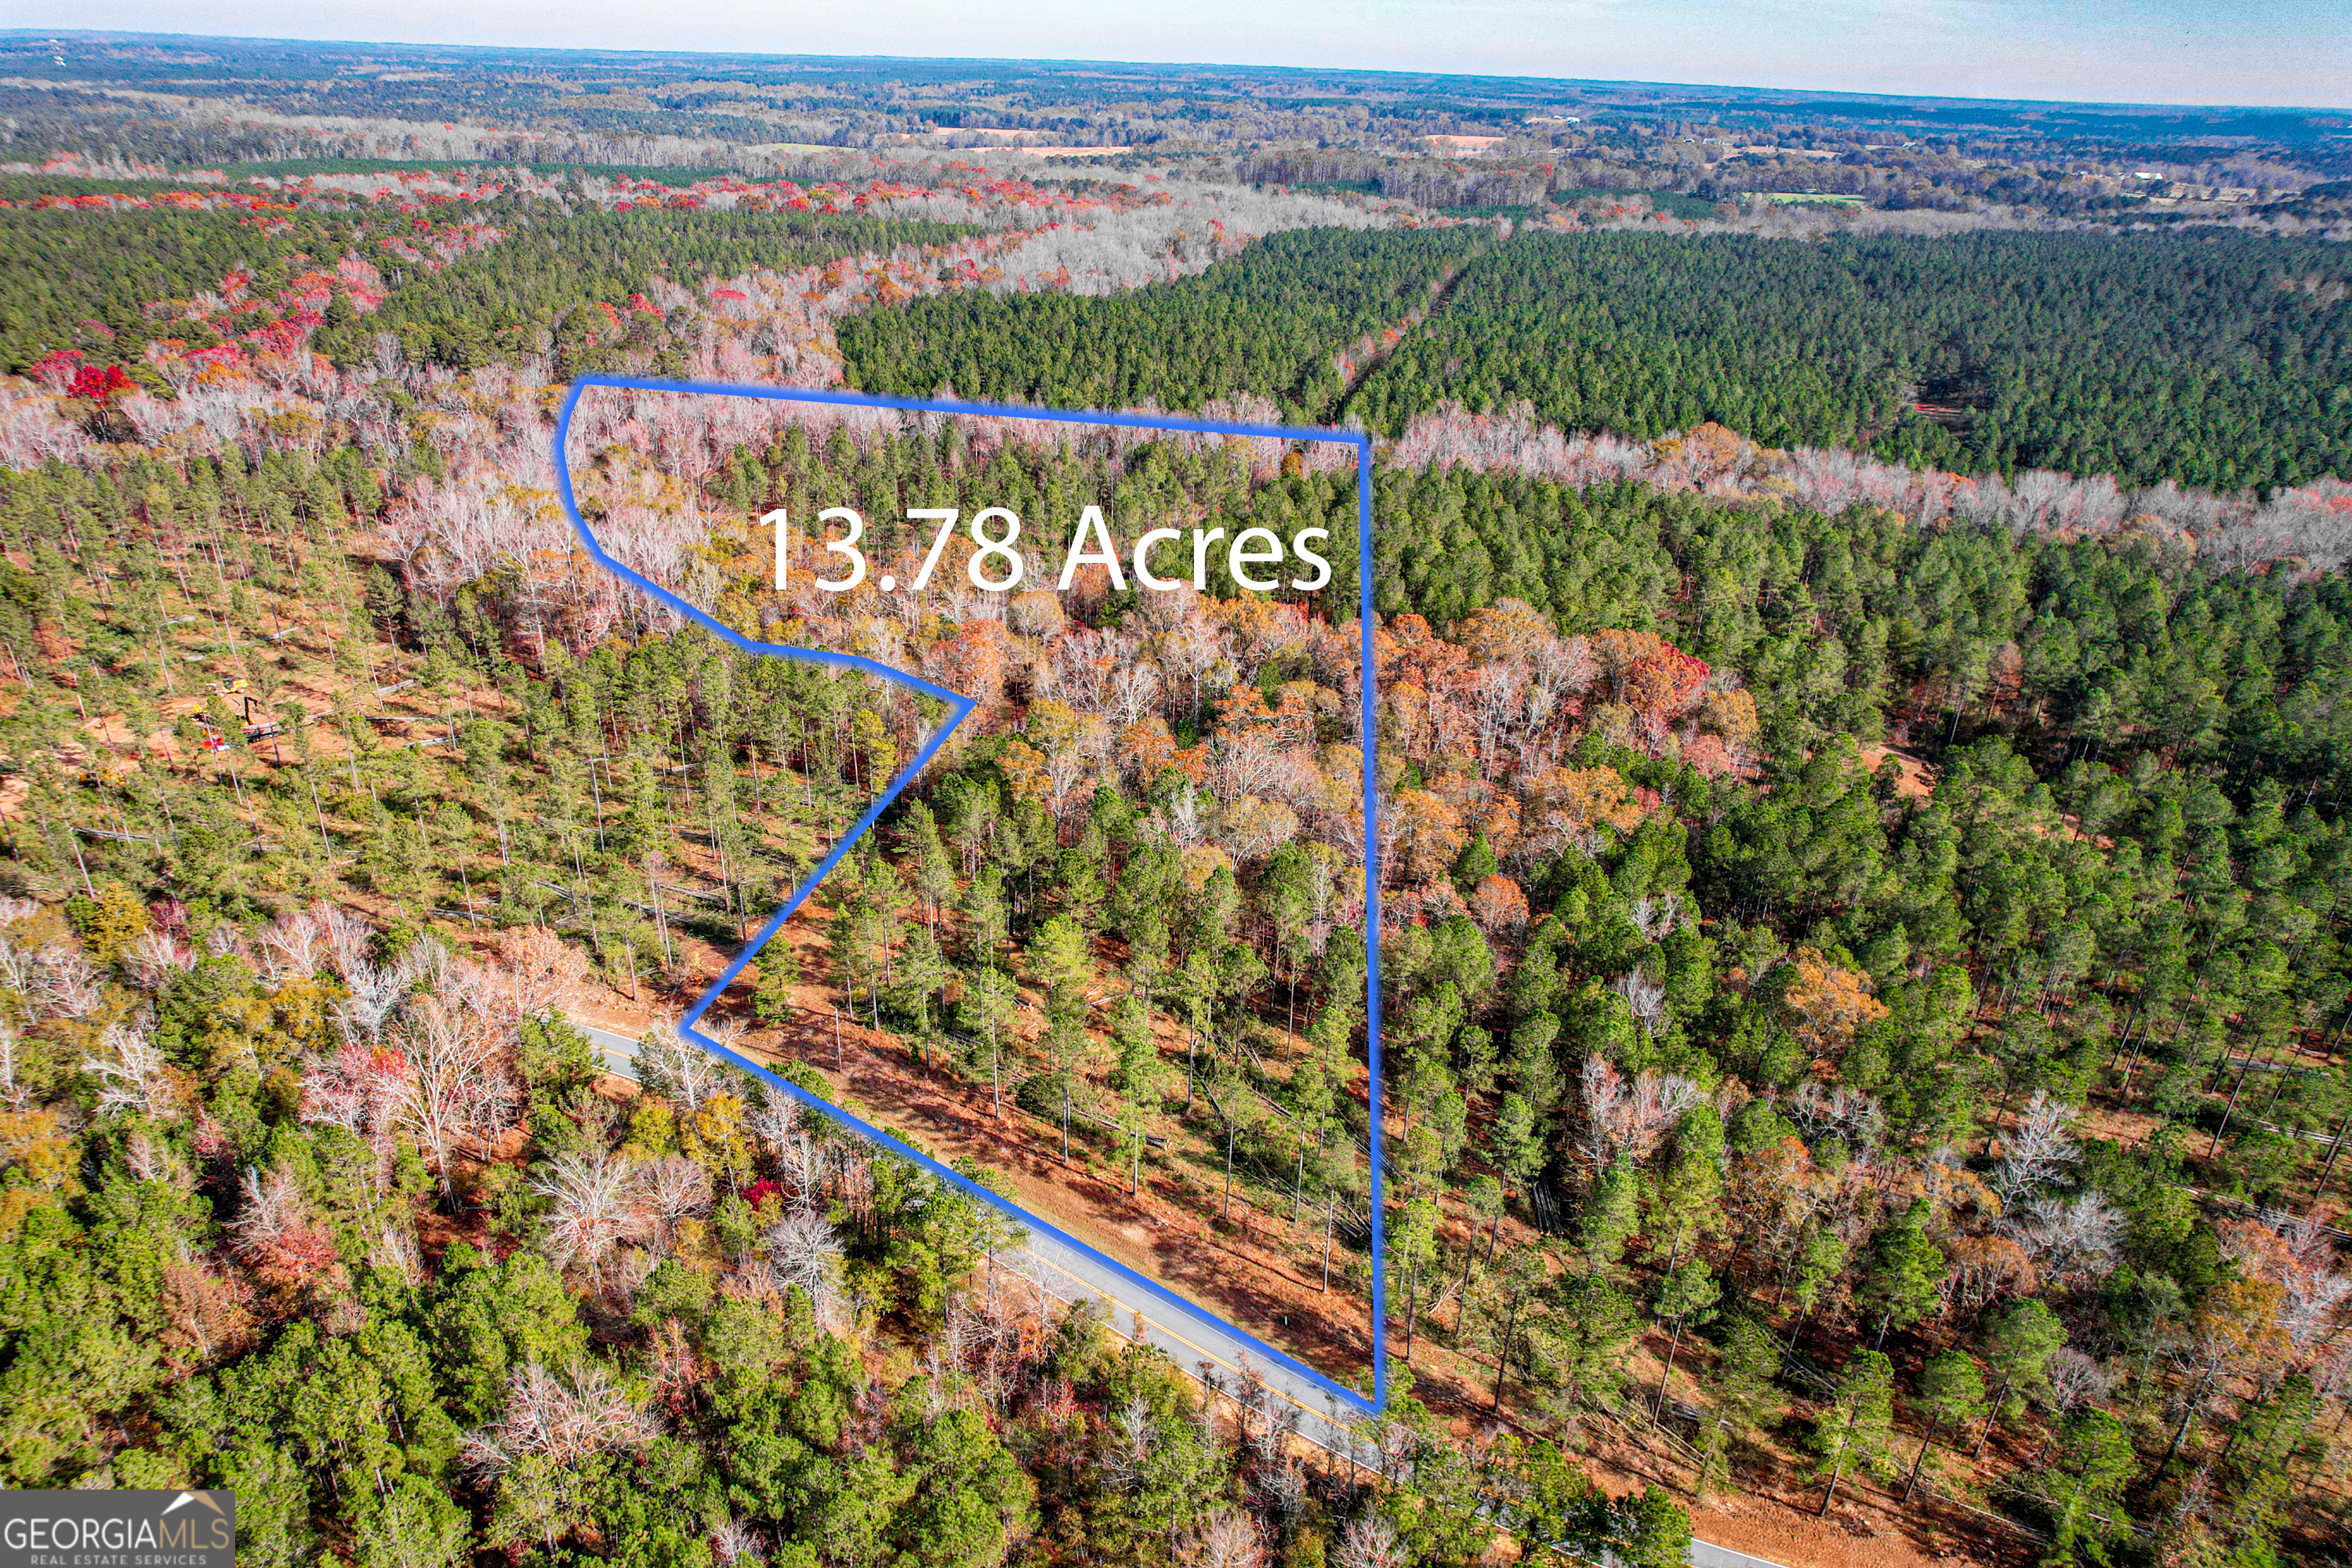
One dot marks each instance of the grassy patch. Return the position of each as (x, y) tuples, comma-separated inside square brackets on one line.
[(1674, 204)]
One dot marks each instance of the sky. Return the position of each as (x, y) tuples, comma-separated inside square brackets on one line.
[(2251, 52)]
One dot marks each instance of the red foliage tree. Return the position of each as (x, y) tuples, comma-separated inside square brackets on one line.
[(97, 385)]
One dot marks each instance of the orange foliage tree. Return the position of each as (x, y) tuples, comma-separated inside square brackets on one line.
[(1828, 1005), (1575, 805)]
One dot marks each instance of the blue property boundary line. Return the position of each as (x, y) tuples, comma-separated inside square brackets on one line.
[(959, 708)]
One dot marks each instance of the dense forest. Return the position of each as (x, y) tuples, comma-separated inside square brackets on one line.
[(1733, 1033), (491, 279), (536, 291), (84, 279), (1272, 322), (2216, 362), (1861, 961), (2219, 361), (388, 1264)]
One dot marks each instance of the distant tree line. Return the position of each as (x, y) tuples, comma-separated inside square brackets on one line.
[(2223, 361), (1268, 321)]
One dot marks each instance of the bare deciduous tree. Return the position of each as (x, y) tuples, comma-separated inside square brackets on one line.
[(673, 1188), (275, 1233), (1134, 1436), (678, 1069), (62, 984), (2076, 1380), (298, 943), (775, 1120), (806, 1254), (2037, 1153), (361, 1088), (1226, 1539), (377, 991), (2069, 1240), (535, 968), (565, 1419), (131, 1077), (734, 1542), (595, 1204), (1848, 1112), (459, 1093), (1283, 1487), (1644, 996), (1620, 1118), (1369, 1542), (154, 955)]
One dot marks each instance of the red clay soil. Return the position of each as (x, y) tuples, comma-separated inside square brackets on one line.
[(1913, 779), (1236, 1270), (1860, 1539)]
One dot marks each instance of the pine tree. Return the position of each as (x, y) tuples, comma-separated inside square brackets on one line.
[(1745, 1380), (1952, 1393), (1611, 1212), (1856, 1428), (1903, 1275), (2019, 1351), (2082, 1490), (780, 975)]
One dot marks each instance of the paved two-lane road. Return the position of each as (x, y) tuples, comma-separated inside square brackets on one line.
[(1188, 1335), (1195, 1341), (1192, 1337), (619, 1051)]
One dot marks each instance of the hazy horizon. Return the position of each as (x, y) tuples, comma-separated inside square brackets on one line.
[(2260, 54)]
